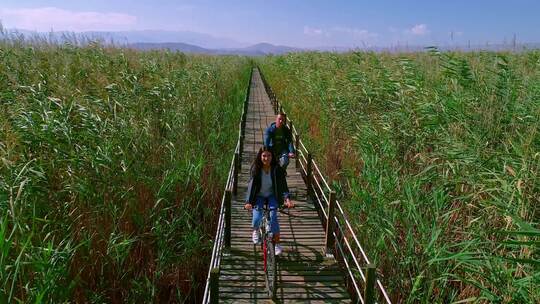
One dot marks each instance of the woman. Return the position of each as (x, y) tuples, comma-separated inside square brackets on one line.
[(267, 183)]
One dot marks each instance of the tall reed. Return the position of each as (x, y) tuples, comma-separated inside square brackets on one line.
[(112, 165), (436, 157)]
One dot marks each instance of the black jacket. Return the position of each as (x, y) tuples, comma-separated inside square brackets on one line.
[(279, 185)]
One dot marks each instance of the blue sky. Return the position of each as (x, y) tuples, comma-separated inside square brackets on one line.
[(301, 23)]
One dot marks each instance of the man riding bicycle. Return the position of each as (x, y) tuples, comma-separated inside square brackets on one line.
[(278, 137)]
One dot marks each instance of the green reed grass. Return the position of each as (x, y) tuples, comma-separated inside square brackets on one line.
[(112, 167), (436, 157)]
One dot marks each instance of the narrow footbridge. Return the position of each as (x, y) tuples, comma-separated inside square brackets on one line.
[(322, 260)]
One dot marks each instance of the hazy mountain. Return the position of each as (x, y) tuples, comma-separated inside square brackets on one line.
[(267, 48), (260, 49), (188, 42), (193, 42), (172, 46), (128, 37), (157, 36)]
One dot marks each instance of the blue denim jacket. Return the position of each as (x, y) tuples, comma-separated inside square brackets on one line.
[(269, 137)]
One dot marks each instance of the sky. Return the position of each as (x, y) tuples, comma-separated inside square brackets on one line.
[(298, 23)]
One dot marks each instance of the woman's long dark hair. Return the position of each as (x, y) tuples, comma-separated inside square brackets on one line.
[(257, 164)]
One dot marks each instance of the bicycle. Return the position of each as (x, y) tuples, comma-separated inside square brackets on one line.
[(266, 239), (268, 248)]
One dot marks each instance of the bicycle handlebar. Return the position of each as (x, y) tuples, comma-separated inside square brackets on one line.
[(266, 204)]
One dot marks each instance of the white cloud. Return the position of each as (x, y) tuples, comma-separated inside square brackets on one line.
[(358, 33), (310, 31), (340, 32), (47, 18), (419, 30)]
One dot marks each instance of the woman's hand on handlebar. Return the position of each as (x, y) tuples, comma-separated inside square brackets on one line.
[(289, 203), (248, 206)]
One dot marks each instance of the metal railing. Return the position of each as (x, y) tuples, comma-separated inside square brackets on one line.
[(223, 230), (341, 240)]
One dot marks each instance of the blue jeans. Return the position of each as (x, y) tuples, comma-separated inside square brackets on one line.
[(258, 213), (283, 159)]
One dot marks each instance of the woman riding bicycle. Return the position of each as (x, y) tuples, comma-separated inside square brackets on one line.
[(267, 184)]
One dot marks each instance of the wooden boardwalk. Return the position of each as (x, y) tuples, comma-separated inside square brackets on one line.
[(304, 273)]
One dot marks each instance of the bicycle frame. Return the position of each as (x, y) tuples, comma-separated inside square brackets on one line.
[(269, 254)]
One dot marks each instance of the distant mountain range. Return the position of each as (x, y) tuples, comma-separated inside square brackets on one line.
[(158, 36), (193, 42), (182, 41), (128, 37), (259, 49)]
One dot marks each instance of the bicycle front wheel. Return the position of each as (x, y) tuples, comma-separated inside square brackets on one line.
[(271, 268)]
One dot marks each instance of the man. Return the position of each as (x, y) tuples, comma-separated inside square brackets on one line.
[(278, 137)]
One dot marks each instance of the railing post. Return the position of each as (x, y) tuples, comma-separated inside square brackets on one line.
[(309, 169), (236, 169), (228, 203), (241, 147), (214, 285), (291, 127), (369, 290), (330, 240), (244, 121), (297, 150), (248, 92)]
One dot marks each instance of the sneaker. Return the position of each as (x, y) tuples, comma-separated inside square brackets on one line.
[(256, 237), (279, 249)]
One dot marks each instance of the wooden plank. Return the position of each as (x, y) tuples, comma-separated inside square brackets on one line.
[(308, 247), (245, 262), (288, 278), (245, 236), (282, 273), (304, 244), (257, 284), (268, 301), (246, 224), (283, 229), (286, 296), (286, 219), (307, 228), (289, 268), (283, 225), (308, 255), (285, 289), (286, 240), (297, 221)]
